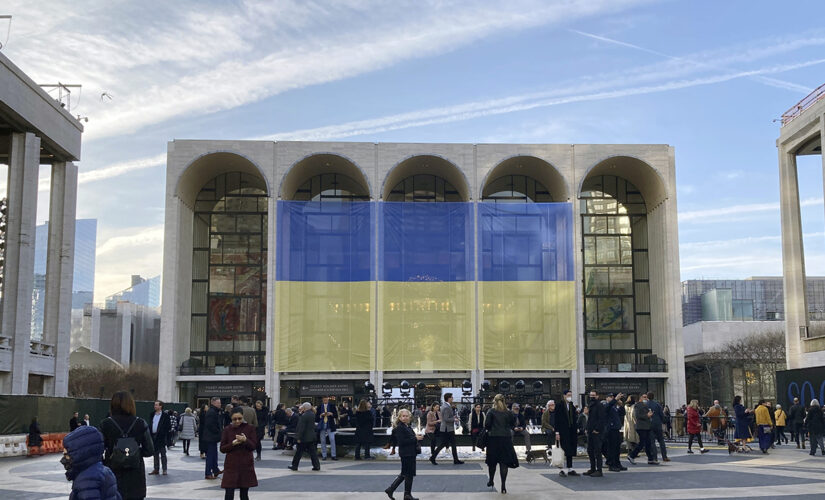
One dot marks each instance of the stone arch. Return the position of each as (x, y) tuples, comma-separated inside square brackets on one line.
[(540, 170), (647, 179), (427, 164), (208, 166), (321, 163)]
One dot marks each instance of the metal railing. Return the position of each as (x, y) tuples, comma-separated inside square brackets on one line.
[(221, 370), (804, 104), (714, 429)]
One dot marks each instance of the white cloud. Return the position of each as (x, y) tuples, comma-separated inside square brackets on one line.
[(723, 213), (124, 252)]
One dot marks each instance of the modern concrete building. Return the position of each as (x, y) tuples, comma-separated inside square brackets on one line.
[(35, 130), (144, 292), (299, 268), (802, 133), (127, 332)]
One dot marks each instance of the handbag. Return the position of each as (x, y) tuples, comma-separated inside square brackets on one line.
[(481, 439), (556, 456)]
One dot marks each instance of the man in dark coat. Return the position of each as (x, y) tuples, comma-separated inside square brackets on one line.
[(796, 415), (565, 417), (212, 430), (615, 420), (643, 415), (305, 437), (160, 426), (596, 429), (73, 422), (656, 421)]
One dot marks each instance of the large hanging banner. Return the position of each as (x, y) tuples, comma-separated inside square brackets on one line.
[(527, 299), (325, 287), (426, 315)]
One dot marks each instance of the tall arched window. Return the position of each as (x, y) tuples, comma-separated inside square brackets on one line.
[(424, 187), (229, 275), (616, 285), (516, 189)]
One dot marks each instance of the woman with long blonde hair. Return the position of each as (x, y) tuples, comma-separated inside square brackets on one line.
[(694, 426), (407, 441), (500, 452)]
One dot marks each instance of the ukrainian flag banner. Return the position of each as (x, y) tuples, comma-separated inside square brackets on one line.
[(527, 300), (426, 317), (325, 286)]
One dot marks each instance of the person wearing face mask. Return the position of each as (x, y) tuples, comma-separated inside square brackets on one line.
[(238, 440), (596, 432), (83, 461), (565, 423)]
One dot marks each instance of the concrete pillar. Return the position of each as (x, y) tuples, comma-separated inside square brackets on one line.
[(124, 323), (24, 162), (170, 308), (793, 258), (57, 313), (273, 376)]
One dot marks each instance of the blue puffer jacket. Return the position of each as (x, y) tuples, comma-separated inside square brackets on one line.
[(92, 479)]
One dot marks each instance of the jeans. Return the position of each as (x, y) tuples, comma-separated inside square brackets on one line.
[(594, 450), (212, 459), (324, 433), (644, 442), (656, 434)]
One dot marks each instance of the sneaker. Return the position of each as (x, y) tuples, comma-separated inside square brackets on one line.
[(631, 460), (703, 450), (690, 452), (562, 474), (572, 473), (293, 469), (652, 462)]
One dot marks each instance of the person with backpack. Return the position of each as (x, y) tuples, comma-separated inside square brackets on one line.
[(124, 431), (82, 455)]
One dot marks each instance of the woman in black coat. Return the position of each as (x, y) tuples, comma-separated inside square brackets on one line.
[(500, 452), (407, 441), (131, 483), (815, 422), (363, 430), (34, 434), (476, 423)]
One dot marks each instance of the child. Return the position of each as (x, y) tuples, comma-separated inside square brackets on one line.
[(82, 459)]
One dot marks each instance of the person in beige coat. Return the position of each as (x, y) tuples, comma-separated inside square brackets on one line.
[(630, 434)]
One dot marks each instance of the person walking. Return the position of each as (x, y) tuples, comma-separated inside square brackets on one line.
[(160, 428), (657, 421), (238, 441), (743, 421), (596, 429), (567, 432), (262, 415), (521, 426), (694, 426), (796, 416), (717, 424), (433, 426), (476, 424), (363, 430), (781, 418), (548, 424), (123, 424), (816, 427), (201, 421), (188, 428), (82, 459), (447, 430), (326, 419), (305, 438), (615, 419), (34, 441), (763, 426), (499, 423), (631, 437), (408, 447), (211, 435), (642, 413), (172, 436)]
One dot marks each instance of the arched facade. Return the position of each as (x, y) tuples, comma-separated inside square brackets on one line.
[(356, 282)]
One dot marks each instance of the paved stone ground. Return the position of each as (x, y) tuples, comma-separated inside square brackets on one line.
[(785, 473)]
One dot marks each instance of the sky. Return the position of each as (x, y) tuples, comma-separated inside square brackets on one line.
[(706, 77)]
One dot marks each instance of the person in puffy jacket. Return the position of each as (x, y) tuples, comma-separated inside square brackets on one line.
[(694, 426), (83, 461)]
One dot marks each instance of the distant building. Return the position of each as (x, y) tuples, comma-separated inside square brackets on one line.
[(83, 284), (145, 292)]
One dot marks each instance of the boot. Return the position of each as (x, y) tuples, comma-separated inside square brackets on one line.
[(258, 456), (408, 480), (389, 491)]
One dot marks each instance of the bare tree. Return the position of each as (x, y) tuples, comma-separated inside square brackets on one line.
[(140, 380)]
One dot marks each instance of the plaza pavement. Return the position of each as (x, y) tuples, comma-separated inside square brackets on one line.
[(785, 472)]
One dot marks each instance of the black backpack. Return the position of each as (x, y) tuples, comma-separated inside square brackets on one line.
[(126, 451)]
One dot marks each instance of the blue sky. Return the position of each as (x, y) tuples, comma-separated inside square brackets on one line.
[(706, 77)]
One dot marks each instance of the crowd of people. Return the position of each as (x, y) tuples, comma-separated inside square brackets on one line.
[(239, 428)]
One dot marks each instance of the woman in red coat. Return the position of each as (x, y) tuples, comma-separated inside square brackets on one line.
[(238, 441), (694, 426)]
